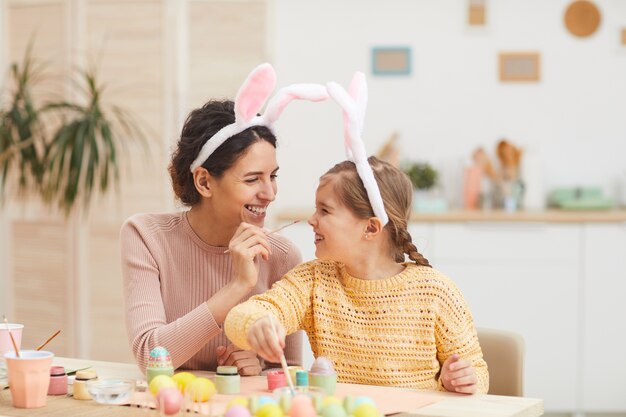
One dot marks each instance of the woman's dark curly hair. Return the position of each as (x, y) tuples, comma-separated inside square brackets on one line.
[(200, 126)]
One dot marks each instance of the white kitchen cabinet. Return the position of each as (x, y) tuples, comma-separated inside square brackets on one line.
[(524, 278), (604, 325)]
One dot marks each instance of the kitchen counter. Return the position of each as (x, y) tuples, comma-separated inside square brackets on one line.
[(458, 216)]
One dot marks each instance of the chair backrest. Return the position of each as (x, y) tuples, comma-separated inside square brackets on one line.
[(504, 353)]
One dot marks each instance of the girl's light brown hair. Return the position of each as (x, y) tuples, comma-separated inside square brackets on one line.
[(397, 193)]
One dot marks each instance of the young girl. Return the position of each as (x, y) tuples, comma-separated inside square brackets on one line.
[(380, 320)]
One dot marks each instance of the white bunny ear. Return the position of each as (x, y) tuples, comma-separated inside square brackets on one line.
[(275, 107), (254, 92), (358, 91), (353, 106)]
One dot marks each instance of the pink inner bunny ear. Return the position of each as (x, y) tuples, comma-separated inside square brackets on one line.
[(358, 91), (254, 92)]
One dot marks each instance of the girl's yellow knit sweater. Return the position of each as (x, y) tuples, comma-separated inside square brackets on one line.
[(394, 331)]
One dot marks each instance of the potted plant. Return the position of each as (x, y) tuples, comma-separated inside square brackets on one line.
[(422, 175), (79, 157), (424, 179)]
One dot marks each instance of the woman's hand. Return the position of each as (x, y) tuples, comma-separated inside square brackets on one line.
[(248, 242), (266, 336), (458, 375), (246, 361)]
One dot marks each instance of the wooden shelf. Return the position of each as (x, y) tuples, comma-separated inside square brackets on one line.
[(456, 216)]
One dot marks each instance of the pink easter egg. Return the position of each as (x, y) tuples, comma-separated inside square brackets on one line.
[(169, 400), (237, 410), (302, 409)]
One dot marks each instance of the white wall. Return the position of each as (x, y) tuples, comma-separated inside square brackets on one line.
[(453, 102)]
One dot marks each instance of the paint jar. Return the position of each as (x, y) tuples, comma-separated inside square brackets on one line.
[(302, 379), (227, 380), (80, 388), (293, 370), (323, 375), (58, 381), (276, 379)]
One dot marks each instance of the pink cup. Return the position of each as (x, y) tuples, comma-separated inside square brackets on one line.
[(5, 339), (29, 377)]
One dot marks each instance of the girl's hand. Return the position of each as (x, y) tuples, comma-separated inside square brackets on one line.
[(266, 336), (458, 375), (248, 242), (246, 361)]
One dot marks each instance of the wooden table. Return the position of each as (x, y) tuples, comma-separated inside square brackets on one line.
[(450, 405)]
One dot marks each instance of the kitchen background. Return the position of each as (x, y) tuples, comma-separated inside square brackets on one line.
[(554, 277)]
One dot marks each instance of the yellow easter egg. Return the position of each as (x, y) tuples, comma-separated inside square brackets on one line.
[(269, 410), (201, 389), (160, 381), (243, 401), (366, 410), (330, 400), (183, 379)]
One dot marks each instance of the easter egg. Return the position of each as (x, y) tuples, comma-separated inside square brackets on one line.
[(269, 410), (264, 399), (302, 409), (169, 400), (300, 399), (183, 379), (285, 403), (201, 389), (159, 382), (159, 358), (363, 400), (243, 401), (365, 410), (331, 399), (333, 410), (237, 410), (348, 404)]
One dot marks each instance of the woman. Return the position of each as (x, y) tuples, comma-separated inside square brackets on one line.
[(184, 271)]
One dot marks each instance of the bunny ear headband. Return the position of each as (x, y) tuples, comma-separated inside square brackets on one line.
[(251, 96), (353, 105)]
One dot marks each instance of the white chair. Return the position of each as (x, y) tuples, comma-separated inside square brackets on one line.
[(504, 353)]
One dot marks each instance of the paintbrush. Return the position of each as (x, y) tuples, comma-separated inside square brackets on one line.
[(275, 230), (283, 361), (48, 341), (17, 351)]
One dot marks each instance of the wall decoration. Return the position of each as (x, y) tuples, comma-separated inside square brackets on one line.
[(477, 12), (623, 36), (519, 66), (391, 61), (582, 18)]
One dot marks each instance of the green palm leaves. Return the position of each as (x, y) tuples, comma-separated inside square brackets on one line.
[(81, 154)]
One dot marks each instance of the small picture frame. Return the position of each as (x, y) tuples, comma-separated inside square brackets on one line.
[(519, 66), (391, 61), (476, 13), (623, 37)]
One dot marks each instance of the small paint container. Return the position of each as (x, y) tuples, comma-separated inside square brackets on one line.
[(293, 370), (302, 379), (80, 388), (328, 382), (227, 380), (276, 379), (58, 381)]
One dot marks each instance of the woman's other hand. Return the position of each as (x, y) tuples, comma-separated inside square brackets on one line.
[(246, 361), (458, 375), (266, 336), (248, 242)]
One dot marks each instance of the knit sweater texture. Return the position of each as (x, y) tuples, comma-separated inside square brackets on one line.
[(169, 273), (396, 331)]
